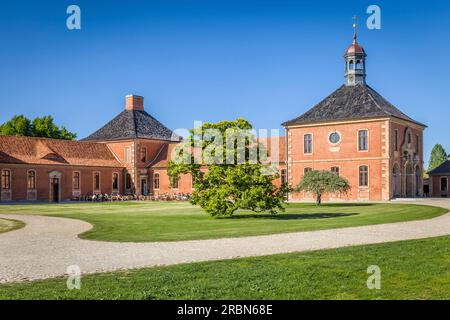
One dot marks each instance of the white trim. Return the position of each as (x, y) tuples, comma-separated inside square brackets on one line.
[(340, 137)]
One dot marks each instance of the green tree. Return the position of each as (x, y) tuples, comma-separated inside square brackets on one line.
[(438, 156), (322, 182), (227, 175), (39, 127), (17, 126)]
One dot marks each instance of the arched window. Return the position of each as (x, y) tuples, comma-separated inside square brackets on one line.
[(351, 65), (358, 65), (363, 176), (156, 181), (31, 180), (307, 169)]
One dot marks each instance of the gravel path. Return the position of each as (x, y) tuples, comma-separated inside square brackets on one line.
[(46, 246)]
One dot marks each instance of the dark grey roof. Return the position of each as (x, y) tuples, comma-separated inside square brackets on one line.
[(350, 102), (132, 124), (442, 169)]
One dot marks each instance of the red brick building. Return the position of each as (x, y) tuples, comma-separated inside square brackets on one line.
[(358, 134), (440, 181), (117, 159), (354, 132)]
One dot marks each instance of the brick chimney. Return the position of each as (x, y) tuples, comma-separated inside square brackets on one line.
[(134, 102)]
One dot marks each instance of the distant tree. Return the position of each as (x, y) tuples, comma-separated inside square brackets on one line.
[(66, 134), (320, 183), (438, 156), (17, 126), (232, 180), (40, 127), (45, 127)]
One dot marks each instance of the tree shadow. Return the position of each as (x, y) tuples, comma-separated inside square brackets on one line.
[(284, 216), (337, 205)]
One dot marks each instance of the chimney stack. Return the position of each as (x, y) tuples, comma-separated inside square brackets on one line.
[(134, 102)]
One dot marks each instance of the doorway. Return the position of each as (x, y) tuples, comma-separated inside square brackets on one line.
[(55, 189), (144, 187)]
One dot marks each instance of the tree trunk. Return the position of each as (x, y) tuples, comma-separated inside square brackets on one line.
[(319, 200)]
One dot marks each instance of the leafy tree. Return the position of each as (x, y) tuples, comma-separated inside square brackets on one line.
[(322, 182), (66, 134), (39, 127), (226, 173), (438, 156), (45, 127), (17, 126)]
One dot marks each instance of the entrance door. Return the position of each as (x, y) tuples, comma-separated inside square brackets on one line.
[(55, 189), (144, 188)]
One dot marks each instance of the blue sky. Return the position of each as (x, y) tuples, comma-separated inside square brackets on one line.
[(268, 61)]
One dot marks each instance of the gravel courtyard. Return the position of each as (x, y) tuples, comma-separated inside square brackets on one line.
[(46, 246)]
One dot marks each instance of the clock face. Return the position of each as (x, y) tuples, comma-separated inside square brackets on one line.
[(351, 77), (335, 137)]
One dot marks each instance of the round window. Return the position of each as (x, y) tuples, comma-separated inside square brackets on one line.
[(335, 137)]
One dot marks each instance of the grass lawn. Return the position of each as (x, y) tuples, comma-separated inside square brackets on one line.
[(156, 221), (9, 225), (417, 269)]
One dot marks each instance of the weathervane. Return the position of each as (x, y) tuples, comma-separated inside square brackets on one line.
[(354, 27)]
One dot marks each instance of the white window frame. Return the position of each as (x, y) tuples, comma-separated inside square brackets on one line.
[(35, 180), (312, 143), (367, 140), (159, 180), (359, 176)]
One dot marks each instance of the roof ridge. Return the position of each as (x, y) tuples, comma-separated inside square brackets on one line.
[(374, 101), (135, 124)]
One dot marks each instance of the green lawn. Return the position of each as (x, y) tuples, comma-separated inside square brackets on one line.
[(9, 225), (417, 269), (156, 221)]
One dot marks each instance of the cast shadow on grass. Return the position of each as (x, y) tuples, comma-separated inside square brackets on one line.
[(283, 216), (331, 205)]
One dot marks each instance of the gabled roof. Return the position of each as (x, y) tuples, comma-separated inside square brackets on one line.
[(133, 124), (31, 150), (348, 103), (442, 169)]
